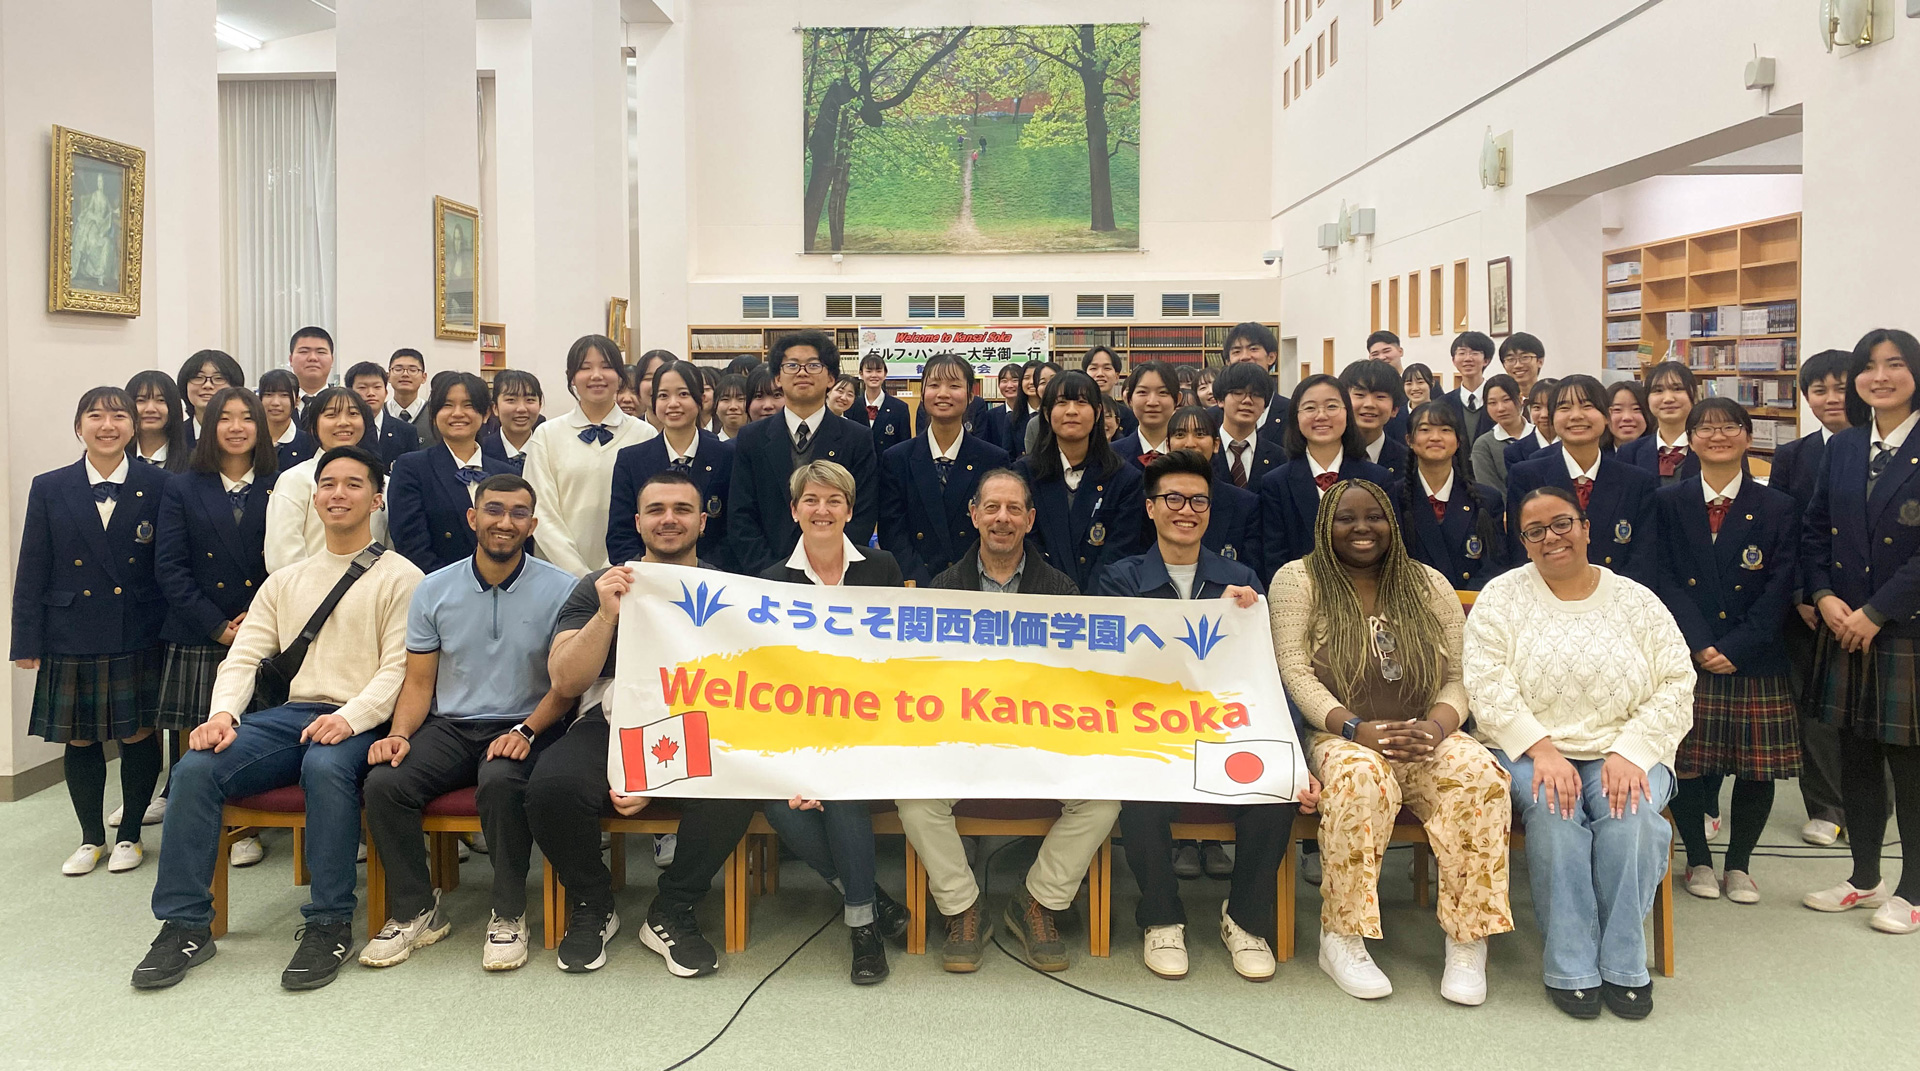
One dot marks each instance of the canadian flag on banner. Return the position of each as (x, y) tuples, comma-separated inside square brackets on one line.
[(1244, 768), (666, 751)]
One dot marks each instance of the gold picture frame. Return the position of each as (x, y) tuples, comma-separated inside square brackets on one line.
[(95, 231), (456, 270), (617, 322)]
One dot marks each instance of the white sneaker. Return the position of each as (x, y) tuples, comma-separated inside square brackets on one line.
[(1896, 916), (397, 940), (506, 947), (460, 848), (1166, 953), (1252, 959), (360, 853), (155, 813), (1702, 883), (664, 845), (246, 852), (1310, 867), (1820, 832), (1345, 959), (82, 861), (1844, 897), (126, 856), (1740, 887), (1714, 827), (114, 818), (478, 842), (1465, 980)]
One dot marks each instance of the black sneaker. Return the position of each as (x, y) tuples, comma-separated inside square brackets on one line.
[(589, 931), (672, 931), (1215, 860), (869, 955), (890, 916), (1628, 1002), (1186, 859), (324, 946), (173, 952), (1579, 1003)]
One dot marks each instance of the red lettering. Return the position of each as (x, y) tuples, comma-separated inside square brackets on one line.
[(1063, 715), (930, 707), (867, 706), (1174, 721), (972, 704), (719, 693), (1143, 721), (676, 689), (1236, 716), (1203, 719), (757, 698)]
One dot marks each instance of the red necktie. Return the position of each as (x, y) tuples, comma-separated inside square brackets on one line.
[(1583, 490), (1326, 480), (873, 413), (1717, 512), (1149, 457), (1238, 468), (1670, 458), (1439, 508)]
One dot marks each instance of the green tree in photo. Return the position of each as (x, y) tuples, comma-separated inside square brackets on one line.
[(1093, 76)]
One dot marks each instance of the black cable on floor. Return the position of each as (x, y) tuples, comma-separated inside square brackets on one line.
[(755, 990), (986, 891)]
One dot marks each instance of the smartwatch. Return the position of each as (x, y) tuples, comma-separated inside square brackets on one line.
[(523, 731), (1351, 728)]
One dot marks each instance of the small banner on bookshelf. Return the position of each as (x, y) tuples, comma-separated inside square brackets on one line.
[(908, 349)]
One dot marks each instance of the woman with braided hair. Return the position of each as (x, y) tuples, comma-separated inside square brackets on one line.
[(1369, 645), (1451, 523)]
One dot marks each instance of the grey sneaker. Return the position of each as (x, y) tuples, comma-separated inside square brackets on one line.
[(1186, 859), (397, 940), (1034, 927), (506, 947), (1739, 887)]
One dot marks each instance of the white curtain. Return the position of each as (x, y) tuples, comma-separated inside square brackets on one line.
[(277, 214)]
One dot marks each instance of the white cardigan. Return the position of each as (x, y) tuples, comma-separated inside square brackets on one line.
[(574, 484), (294, 531)]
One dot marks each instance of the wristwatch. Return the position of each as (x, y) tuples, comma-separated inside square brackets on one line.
[(523, 731), (1351, 728)]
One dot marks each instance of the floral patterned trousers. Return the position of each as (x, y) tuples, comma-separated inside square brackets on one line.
[(1459, 794)]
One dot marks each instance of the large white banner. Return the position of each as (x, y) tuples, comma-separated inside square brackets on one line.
[(908, 349), (732, 687)]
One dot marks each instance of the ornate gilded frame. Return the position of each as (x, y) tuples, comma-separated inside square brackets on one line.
[(617, 323), (62, 296), (442, 208)]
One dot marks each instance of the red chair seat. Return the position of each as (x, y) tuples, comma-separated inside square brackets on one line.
[(287, 799), (460, 803), (658, 809), (1007, 810)]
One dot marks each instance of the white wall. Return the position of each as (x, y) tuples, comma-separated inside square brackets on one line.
[(1669, 205)]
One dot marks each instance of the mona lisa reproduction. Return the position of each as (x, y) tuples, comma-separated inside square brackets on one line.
[(456, 270), (93, 256)]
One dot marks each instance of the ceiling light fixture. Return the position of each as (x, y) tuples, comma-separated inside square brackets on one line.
[(227, 35)]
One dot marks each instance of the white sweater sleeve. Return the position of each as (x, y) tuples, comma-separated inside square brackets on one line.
[(1500, 709), (289, 509), (374, 704), (1653, 731), (554, 541)]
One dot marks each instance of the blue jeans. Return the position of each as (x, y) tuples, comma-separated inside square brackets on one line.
[(1593, 875), (837, 842), (266, 753)]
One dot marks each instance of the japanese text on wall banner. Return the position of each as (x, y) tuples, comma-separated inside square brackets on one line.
[(732, 687), (908, 349)]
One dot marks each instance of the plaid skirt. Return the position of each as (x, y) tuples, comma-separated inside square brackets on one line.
[(1745, 726), (186, 684), (95, 697), (1873, 694)]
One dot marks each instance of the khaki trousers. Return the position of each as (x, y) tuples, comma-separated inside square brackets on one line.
[(1055, 876)]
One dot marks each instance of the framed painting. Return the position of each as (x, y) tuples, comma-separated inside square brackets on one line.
[(1500, 297), (617, 322), (456, 270), (94, 239)]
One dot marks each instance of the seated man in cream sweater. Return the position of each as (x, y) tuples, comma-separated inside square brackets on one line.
[(342, 694)]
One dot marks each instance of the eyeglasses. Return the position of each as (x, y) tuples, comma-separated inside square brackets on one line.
[(811, 367), (1176, 501), (207, 379), (1315, 408), (1383, 648), (1534, 533), (497, 511), (1714, 431)]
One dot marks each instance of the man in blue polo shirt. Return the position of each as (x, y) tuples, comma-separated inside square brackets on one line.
[(474, 710)]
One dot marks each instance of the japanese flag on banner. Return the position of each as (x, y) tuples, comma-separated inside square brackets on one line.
[(662, 752), (1245, 768)]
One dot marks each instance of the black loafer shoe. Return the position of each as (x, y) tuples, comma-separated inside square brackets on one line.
[(1579, 1003), (890, 915), (869, 956), (1628, 1002)]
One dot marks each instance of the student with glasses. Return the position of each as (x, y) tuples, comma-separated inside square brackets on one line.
[(1368, 642), (206, 373), (1521, 356)]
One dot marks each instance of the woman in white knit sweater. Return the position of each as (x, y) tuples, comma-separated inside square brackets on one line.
[(335, 417), (570, 459), (1581, 683)]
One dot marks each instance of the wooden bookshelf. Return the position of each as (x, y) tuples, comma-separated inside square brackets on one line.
[(1711, 278), (493, 349)]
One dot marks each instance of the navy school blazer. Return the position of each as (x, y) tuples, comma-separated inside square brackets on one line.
[(427, 506), (1454, 545), (1290, 504), (1395, 457), (1273, 428), (925, 526), (760, 528), (1233, 524), (1478, 423), (995, 426), (1080, 534), (1866, 548), (208, 565), (1733, 594), (82, 589), (292, 453), (397, 438), (1522, 448), (1796, 468), (711, 471), (1145, 576), (894, 425), (1644, 453), (1265, 455), (1623, 530), (1129, 446), (495, 447), (1395, 428), (982, 418)]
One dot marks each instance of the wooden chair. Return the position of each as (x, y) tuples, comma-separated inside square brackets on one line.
[(280, 808), (1013, 818), (1214, 821), (445, 819)]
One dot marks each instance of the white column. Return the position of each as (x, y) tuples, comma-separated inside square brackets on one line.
[(408, 131), (506, 49), (183, 183), (664, 255)]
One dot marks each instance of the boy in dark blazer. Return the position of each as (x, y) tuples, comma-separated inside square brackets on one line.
[(395, 436), (1248, 449)]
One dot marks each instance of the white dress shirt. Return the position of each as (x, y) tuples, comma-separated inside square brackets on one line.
[(951, 453), (1446, 489), (794, 420), (1573, 467), (798, 560)]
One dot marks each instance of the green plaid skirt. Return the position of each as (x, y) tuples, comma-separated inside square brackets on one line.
[(1873, 694), (186, 684), (1745, 726), (95, 697)]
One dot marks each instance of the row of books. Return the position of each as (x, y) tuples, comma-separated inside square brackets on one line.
[(1776, 318), (1090, 336), (730, 341), (1773, 434), (1747, 355), (1623, 301), (1167, 336), (1623, 330), (1624, 272), (1627, 360), (1771, 392)]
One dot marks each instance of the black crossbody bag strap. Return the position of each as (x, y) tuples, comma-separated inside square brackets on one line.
[(275, 676)]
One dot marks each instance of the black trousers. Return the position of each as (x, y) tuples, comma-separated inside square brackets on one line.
[(1819, 742), (444, 755), (1262, 834), (567, 797)]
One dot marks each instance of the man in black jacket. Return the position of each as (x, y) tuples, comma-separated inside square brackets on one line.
[(1002, 512)]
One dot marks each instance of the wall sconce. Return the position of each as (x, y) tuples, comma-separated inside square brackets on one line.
[(1496, 159), (1329, 236), (1857, 23)]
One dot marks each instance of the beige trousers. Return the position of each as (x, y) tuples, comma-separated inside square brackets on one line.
[(1055, 876)]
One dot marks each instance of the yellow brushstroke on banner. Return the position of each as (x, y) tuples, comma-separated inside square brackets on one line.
[(784, 699)]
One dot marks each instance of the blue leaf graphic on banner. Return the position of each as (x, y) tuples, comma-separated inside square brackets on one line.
[(1204, 639), (700, 604)]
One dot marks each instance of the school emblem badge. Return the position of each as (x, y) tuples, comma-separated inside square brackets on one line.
[(1229, 553), (143, 532), (1474, 547), (1097, 535), (1910, 513), (1751, 558), (1623, 532), (714, 505)]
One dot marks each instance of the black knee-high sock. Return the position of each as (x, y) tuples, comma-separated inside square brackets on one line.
[(1863, 792), (1689, 808), (1904, 763), (1752, 803), (139, 771), (1710, 792), (86, 770)]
